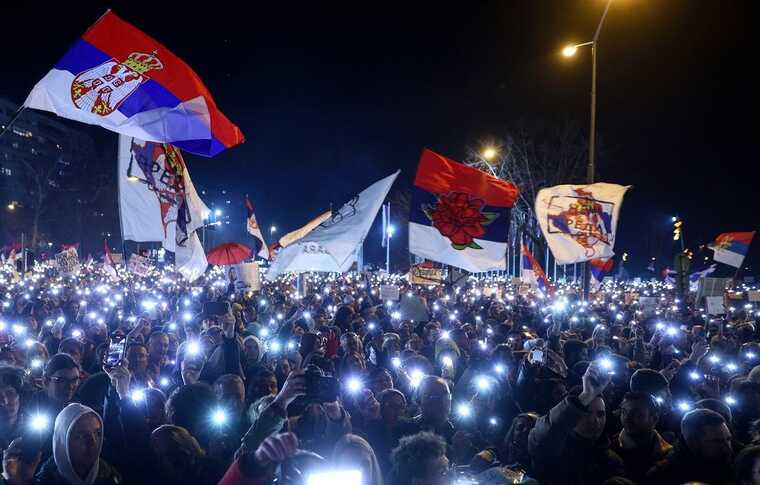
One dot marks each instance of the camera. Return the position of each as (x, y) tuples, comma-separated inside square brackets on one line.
[(320, 388)]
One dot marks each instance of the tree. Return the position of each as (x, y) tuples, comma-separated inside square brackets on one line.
[(533, 155)]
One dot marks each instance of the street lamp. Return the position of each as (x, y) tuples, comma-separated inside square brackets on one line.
[(570, 51), (489, 153), (272, 229), (12, 206), (218, 212)]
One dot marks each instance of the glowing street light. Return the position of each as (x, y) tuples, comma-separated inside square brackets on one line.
[(489, 153), (570, 50), (272, 229)]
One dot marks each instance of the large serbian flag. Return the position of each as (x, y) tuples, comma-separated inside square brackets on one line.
[(117, 77), (459, 215), (731, 247), (255, 230), (532, 272)]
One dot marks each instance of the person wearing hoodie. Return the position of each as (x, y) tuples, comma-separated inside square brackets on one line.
[(77, 443)]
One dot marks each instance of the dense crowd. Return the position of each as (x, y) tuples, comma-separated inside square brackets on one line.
[(112, 378)]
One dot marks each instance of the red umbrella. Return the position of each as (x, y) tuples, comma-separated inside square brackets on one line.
[(228, 253)]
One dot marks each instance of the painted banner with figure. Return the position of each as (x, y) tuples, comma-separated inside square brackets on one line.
[(459, 215), (158, 201), (580, 221)]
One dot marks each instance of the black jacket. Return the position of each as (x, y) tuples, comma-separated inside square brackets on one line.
[(561, 457), (681, 466)]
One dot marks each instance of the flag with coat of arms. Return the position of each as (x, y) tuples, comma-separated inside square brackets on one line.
[(255, 230), (731, 247), (117, 77)]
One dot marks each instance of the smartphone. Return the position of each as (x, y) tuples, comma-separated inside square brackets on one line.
[(115, 354), (537, 356), (216, 308)]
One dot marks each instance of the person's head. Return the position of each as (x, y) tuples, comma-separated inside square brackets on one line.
[(516, 439), (190, 407), (158, 347), (77, 441), (434, 399), (61, 378), (350, 342), (591, 425), (392, 405), (575, 351), (352, 452), (230, 393), (137, 355), (177, 452), (747, 466), (707, 436), (11, 384), (252, 349), (639, 413), (719, 407), (420, 459), (379, 380), (155, 404), (262, 383), (73, 347), (649, 381)]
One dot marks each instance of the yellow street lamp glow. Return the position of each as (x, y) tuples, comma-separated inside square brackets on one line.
[(489, 153), (11, 206), (132, 178), (569, 51)]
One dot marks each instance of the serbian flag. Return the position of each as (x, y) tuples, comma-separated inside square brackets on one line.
[(117, 77), (601, 267), (459, 215), (731, 247), (107, 258), (255, 230), (532, 273)]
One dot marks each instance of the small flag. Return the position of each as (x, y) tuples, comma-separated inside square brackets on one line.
[(107, 258), (255, 230), (459, 214), (532, 272), (601, 268), (117, 77), (697, 275), (731, 247)]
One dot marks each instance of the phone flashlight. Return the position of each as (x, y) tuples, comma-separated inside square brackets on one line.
[(447, 361), (695, 376), (464, 410), (415, 378), (396, 362), (219, 417), (39, 422), (684, 406), (138, 395), (354, 385), (193, 348)]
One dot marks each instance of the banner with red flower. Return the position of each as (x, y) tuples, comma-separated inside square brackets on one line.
[(459, 215)]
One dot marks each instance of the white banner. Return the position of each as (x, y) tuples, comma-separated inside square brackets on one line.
[(389, 292), (68, 262), (333, 244), (152, 184), (248, 276), (580, 221), (139, 265), (715, 305)]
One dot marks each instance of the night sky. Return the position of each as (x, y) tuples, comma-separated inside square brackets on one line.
[(332, 98)]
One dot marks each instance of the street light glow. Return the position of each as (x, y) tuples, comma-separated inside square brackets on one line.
[(489, 153), (569, 51)]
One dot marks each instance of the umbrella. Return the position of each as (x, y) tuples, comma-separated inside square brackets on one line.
[(228, 253)]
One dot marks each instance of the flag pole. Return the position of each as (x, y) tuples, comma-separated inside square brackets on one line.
[(118, 203), (13, 119)]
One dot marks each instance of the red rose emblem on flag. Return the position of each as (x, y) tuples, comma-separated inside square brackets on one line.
[(458, 217)]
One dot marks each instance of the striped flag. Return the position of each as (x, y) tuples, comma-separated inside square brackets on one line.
[(533, 273), (731, 247), (255, 230)]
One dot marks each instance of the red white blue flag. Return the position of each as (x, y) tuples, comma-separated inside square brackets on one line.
[(255, 230), (459, 215), (731, 247), (601, 268), (533, 273), (117, 77)]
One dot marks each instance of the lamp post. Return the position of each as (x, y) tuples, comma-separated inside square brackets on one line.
[(570, 51)]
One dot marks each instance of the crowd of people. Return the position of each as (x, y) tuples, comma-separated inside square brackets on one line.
[(113, 378)]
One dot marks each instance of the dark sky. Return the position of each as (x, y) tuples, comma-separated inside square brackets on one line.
[(333, 97)]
